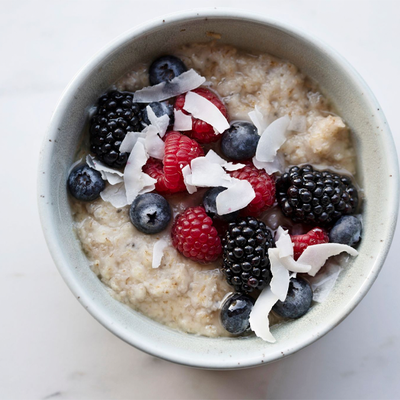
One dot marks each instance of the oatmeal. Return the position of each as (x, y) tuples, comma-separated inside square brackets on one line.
[(182, 293)]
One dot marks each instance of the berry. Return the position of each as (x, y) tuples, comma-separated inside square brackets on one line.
[(301, 242), (85, 183), (165, 68), (209, 202), (263, 185), (239, 142), (194, 235), (150, 213), (116, 114), (315, 197), (179, 151), (246, 262), (201, 131), (298, 300), (347, 230), (235, 313), (160, 109), (154, 168)]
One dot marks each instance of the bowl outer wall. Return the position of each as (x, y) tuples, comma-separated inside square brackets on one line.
[(377, 174)]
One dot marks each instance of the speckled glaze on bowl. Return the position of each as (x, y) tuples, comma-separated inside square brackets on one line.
[(377, 174)]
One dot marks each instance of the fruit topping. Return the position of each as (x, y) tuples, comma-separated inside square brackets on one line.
[(158, 251), (179, 152), (165, 68), (150, 213), (240, 141), (182, 121), (263, 185), (186, 81), (159, 108), (298, 300), (301, 242), (347, 230), (209, 202), (116, 114), (85, 183), (315, 197), (194, 235), (213, 110), (246, 262), (154, 168), (235, 313), (317, 255), (272, 139)]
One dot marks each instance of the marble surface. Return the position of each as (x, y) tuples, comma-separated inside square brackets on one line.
[(50, 347)]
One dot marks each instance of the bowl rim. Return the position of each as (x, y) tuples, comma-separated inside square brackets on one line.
[(166, 20)]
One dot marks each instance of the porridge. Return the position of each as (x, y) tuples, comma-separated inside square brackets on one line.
[(216, 155)]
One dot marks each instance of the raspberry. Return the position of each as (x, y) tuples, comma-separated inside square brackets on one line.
[(201, 131), (179, 151), (154, 168), (301, 242), (194, 235), (263, 185)]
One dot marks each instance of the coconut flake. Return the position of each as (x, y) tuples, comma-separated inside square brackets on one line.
[(158, 251), (259, 322), (298, 123), (317, 254), (236, 197), (115, 194), (182, 121), (108, 174), (283, 243), (155, 146), (270, 167), (214, 158), (272, 139), (294, 266), (182, 83), (187, 172), (129, 141), (280, 275), (205, 110), (206, 173), (135, 179), (161, 123), (258, 119), (229, 166), (324, 282)]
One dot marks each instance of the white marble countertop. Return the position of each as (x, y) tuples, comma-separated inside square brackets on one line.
[(50, 347)]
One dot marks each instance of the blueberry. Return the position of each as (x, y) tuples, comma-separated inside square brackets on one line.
[(150, 213), (209, 202), (347, 230), (239, 142), (298, 300), (160, 109), (85, 183), (165, 68), (235, 313)]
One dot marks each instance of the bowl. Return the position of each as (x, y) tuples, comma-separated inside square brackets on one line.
[(377, 175)]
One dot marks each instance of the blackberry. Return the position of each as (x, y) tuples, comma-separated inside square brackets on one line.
[(315, 197), (116, 114), (246, 263)]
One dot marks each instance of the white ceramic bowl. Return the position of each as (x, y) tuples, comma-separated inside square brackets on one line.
[(377, 174)]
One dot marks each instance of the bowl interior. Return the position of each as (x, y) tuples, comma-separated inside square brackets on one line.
[(377, 174)]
